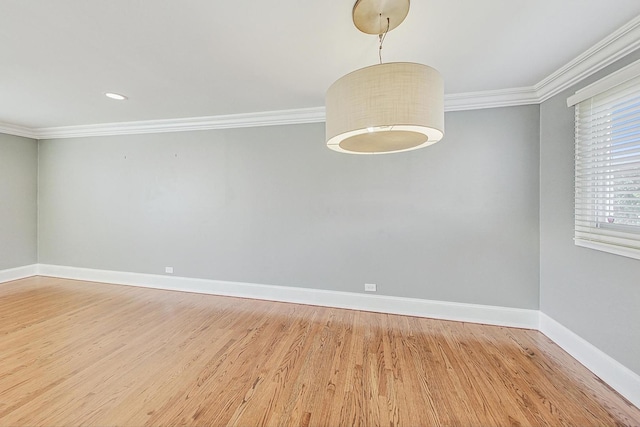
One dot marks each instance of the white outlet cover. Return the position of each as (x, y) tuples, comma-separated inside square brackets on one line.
[(168, 270), (370, 287)]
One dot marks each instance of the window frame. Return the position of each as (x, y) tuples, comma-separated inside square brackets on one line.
[(619, 239)]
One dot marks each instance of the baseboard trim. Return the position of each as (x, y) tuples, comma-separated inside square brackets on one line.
[(473, 313), (18, 273), (616, 375), (619, 377)]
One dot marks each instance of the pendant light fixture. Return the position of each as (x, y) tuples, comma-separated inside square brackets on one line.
[(384, 108)]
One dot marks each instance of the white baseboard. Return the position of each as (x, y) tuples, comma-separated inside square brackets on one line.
[(491, 315), (18, 273), (619, 377)]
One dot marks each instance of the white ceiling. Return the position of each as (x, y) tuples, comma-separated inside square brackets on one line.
[(193, 58)]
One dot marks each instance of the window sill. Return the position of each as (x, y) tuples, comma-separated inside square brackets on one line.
[(612, 249)]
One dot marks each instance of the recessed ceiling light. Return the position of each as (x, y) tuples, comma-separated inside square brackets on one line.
[(116, 96)]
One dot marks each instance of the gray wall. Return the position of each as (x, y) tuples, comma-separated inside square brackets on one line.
[(18, 201), (457, 221), (593, 293)]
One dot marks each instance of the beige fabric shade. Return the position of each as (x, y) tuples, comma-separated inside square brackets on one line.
[(385, 108)]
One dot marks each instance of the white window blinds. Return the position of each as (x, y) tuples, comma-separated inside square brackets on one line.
[(607, 170)]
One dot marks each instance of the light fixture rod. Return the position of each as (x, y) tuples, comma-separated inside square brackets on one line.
[(383, 36)]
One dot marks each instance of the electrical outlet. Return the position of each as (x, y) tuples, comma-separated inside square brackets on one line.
[(168, 270), (370, 287)]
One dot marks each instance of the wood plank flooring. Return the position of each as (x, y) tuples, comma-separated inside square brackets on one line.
[(81, 353)]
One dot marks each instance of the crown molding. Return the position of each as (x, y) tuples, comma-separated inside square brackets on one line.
[(10, 129), (621, 42), (229, 121), (490, 99)]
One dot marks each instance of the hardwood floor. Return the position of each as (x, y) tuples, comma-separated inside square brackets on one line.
[(80, 353)]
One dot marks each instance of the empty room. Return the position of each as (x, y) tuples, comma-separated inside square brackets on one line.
[(328, 213)]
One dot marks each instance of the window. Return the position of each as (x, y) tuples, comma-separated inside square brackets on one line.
[(607, 163)]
